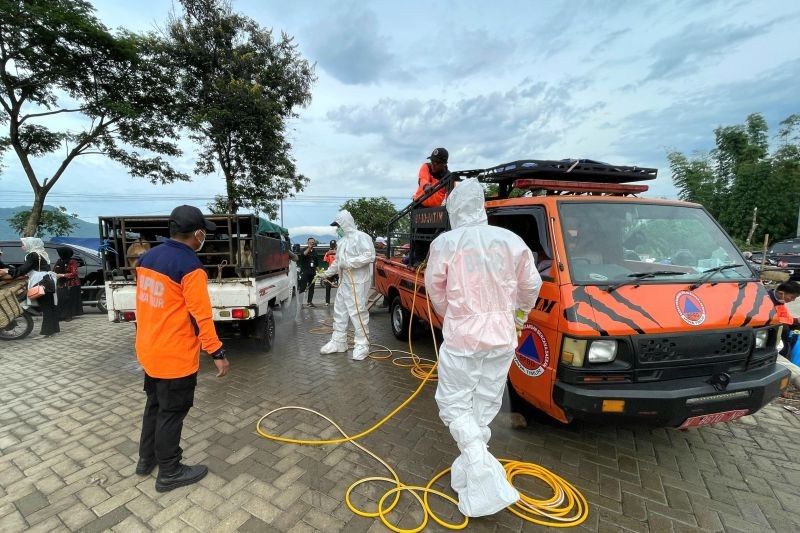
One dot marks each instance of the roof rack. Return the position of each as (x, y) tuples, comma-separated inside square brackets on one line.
[(563, 171), (584, 170)]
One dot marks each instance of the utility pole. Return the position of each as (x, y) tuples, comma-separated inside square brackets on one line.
[(282, 212)]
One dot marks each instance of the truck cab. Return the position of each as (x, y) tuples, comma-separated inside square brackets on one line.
[(647, 309)]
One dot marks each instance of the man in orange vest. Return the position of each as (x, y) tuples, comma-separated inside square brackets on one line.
[(429, 176), (174, 323)]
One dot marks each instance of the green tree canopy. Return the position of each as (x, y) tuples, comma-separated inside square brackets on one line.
[(240, 86), (372, 215), (741, 173), (56, 58), (52, 223)]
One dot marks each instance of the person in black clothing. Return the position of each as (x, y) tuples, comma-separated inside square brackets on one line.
[(69, 285), (37, 260), (308, 263)]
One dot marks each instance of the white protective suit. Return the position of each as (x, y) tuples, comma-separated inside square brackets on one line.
[(477, 276), (355, 255)]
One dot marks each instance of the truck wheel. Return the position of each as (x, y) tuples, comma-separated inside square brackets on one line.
[(399, 319), (264, 331), (101, 301)]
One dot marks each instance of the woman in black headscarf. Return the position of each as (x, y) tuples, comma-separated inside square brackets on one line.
[(69, 285)]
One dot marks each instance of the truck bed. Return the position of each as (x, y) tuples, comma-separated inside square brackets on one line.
[(394, 279)]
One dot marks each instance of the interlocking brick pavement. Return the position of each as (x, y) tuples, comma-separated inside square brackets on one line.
[(70, 423)]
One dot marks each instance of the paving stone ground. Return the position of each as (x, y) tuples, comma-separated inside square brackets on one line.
[(70, 421)]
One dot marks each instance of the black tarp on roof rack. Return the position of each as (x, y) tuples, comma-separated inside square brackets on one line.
[(566, 170)]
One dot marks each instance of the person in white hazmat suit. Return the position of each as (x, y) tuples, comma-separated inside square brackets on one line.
[(355, 255), (478, 276)]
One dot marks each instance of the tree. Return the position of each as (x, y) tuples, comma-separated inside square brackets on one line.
[(240, 86), (56, 60), (53, 222), (741, 174), (372, 215)]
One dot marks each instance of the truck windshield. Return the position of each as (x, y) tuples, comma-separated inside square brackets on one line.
[(608, 243)]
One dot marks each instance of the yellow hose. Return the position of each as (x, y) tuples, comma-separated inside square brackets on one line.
[(566, 508)]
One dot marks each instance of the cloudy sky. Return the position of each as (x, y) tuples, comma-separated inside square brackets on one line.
[(622, 82)]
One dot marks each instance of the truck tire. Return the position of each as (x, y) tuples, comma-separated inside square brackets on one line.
[(399, 318), (264, 331), (102, 305)]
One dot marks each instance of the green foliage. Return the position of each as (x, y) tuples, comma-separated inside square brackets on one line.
[(372, 215), (240, 85), (53, 222), (57, 58), (741, 173), (493, 190)]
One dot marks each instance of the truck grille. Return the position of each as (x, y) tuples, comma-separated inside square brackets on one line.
[(698, 348)]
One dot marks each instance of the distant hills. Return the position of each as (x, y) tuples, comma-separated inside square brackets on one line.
[(81, 229), (88, 229)]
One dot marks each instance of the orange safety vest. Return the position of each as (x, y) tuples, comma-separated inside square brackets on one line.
[(426, 178), (173, 312)]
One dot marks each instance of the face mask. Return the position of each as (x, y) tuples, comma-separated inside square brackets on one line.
[(202, 242), (340, 232)]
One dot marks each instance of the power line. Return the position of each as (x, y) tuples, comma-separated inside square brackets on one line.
[(173, 197)]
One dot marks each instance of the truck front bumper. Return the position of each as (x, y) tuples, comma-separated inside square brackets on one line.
[(670, 403)]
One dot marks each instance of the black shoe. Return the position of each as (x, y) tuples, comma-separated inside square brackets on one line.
[(184, 475), (311, 304), (144, 468)]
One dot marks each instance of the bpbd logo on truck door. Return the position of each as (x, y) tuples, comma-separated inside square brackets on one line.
[(690, 308), (533, 353)]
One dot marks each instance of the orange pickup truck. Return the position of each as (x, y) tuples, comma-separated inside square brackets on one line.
[(647, 310)]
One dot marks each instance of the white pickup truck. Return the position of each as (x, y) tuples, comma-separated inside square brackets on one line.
[(247, 261)]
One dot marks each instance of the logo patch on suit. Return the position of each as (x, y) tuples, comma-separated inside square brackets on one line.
[(690, 308), (533, 353)]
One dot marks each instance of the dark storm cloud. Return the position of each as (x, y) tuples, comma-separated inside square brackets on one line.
[(521, 122)]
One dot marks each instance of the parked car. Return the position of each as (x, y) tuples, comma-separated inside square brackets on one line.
[(90, 268), (783, 256)]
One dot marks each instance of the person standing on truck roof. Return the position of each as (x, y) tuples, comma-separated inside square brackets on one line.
[(429, 176), (477, 276), (174, 322), (783, 294), (308, 263), (355, 254)]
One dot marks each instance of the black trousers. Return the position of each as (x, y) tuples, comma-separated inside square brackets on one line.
[(328, 286), (307, 283), (47, 306), (168, 402)]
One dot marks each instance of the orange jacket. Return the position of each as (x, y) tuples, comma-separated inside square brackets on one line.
[(173, 312), (426, 178), (784, 316)]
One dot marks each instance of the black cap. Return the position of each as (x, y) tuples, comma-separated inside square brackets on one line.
[(439, 155), (187, 218)]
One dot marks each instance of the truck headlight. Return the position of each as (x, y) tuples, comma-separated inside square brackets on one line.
[(762, 336), (603, 351)]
